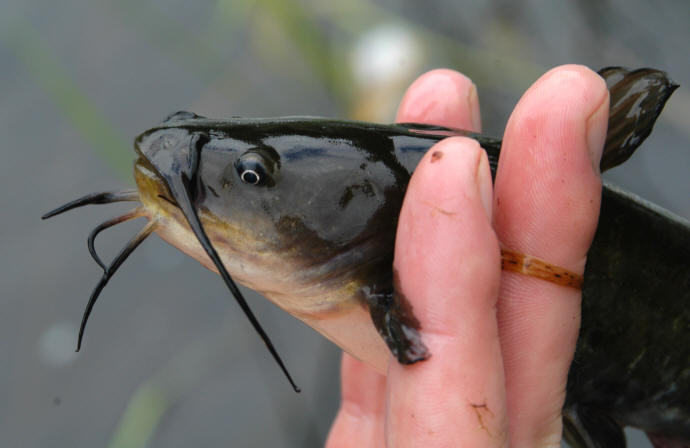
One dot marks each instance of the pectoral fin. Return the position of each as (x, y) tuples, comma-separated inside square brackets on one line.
[(393, 318)]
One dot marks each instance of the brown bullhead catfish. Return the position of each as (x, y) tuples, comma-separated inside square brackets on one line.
[(304, 211)]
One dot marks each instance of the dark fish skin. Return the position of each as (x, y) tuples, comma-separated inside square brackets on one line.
[(633, 357), (322, 216)]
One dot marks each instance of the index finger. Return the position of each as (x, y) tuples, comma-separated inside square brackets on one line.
[(447, 261), (441, 97)]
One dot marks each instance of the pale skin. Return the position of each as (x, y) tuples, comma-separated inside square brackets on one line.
[(501, 342)]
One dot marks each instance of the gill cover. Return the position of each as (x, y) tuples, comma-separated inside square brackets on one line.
[(175, 155)]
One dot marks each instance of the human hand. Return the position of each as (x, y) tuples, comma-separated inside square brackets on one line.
[(501, 343)]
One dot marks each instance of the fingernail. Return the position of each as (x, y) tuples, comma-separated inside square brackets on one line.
[(597, 125), (484, 184), (473, 104)]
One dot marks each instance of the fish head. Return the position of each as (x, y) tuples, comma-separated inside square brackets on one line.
[(297, 212)]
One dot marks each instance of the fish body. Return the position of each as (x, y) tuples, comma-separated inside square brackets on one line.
[(304, 210), (632, 361), (317, 251)]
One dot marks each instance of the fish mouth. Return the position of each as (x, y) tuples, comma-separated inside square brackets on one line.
[(161, 192), (154, 193)]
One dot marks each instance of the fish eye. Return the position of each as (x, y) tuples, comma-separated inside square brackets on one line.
[(250, 177), (253, 169)]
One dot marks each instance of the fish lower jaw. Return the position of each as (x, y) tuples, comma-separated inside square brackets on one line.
[(336, 312), (270, 276)]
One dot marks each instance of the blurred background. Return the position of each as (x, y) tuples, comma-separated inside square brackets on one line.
[(169, 359)]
